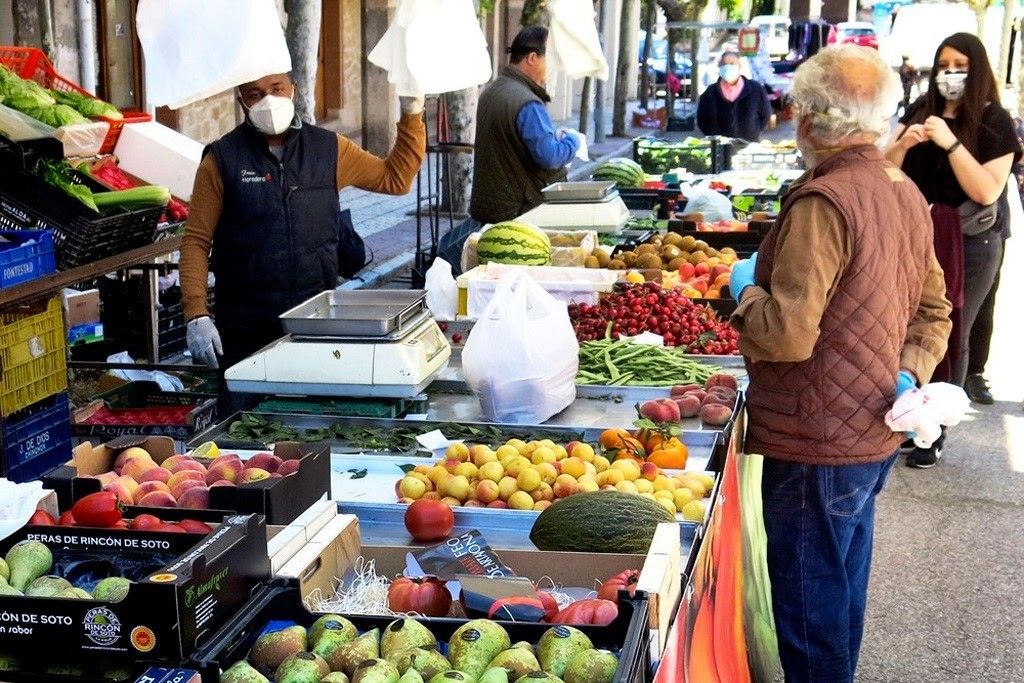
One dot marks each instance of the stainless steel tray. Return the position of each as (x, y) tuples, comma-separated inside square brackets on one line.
[(580, 191), (356, 313)]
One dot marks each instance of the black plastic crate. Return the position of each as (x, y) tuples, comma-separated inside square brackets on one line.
[(657, 155), (647, 199), (80, 236), (628, 636)]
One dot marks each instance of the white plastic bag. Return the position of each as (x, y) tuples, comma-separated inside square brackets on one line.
[(197, 48), (522, 356), (923, 412), (442, 292), (17, 503)]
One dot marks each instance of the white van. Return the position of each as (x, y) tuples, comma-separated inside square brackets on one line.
[(777, 28)]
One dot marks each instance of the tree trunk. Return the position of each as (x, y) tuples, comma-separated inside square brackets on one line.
[(585, 105), (462, 128), (626, 61), (303, 37), (645, 73), (1005, 69), (26, 23), (980, 10)]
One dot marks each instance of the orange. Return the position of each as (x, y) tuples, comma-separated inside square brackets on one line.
[(669, 459), (613, 438)]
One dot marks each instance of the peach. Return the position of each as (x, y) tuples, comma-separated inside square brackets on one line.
[(405, 501), (158, 499), (683, 389), (151, 487), (121, 491), (195, 498), (222, 482), (181, 476), (722, 379), (184, 465), (451, 465), (136, 467), (173, 460), (129, 454), (252, 474), (473, 504), (649, 471), (487, 491), (276, 475), (689, 405), (155, 474), (263, 461), (498, 505), (179, 490), (480, 455), (223, 470), (565, 486), (661, 410), (541, 505), (130, 484), (292, 466), (714, 414), (225, 457), (107, 478)]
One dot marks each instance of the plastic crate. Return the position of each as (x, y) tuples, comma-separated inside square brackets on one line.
[(31, 62), (80, 235), (658, 156), (33, 354), (20, 261), (36, 439)]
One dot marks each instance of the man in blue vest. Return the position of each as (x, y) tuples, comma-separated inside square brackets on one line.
[(265, 202)]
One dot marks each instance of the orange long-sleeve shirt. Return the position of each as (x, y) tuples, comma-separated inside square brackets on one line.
[(356, 168)]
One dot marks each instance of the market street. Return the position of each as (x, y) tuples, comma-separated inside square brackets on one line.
[(945, 599)]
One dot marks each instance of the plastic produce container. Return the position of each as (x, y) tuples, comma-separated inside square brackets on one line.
[(579, 285), (25, 255), (36, 439), (33, 363)]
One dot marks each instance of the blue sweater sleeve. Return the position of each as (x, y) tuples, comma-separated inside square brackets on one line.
[(538, 134)]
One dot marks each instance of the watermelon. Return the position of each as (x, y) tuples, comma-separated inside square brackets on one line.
[(624, 172), (514, 243)]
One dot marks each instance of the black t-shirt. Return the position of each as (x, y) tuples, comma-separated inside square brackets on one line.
[(928, 165)]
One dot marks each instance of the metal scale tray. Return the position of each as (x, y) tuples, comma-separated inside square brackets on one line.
[(586, 191), (357, 313)]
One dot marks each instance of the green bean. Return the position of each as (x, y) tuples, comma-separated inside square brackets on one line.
[(626, 363)]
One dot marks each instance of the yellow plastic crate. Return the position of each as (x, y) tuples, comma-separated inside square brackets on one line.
[(33, 354)]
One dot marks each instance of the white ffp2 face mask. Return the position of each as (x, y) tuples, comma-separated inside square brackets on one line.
[(272, 115), (951, 84), (730, 73)]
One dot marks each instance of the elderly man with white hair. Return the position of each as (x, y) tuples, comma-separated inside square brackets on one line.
[(842, 309)]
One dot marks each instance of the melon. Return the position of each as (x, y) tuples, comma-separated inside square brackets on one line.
[(599, 522), (514, 243), (624, 172)]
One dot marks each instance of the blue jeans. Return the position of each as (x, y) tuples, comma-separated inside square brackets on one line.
[(820, 520)]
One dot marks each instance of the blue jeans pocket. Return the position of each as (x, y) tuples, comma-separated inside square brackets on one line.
[(848, 488)]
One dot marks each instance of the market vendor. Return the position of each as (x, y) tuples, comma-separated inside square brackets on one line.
[(265, 200), (842, 310), (735, 106), (517, 151)]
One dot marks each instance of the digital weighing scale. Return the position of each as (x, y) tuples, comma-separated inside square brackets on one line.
[(592, 205), (375, 343)]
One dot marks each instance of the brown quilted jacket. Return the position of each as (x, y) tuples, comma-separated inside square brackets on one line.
[(829, 408)]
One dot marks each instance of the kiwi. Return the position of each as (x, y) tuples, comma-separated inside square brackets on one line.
[(649, 262), (591, 262), (698, 257), (629, 258), (712, 252), (727, 250), (673, 238), (688, 243), (700, 245), (676, 262), (670, 251), (616, 264), (656, 240), (647, 249), (602, 257)]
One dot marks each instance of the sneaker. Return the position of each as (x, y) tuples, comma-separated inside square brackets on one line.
[(907, 447), (923, 458), (978, 391)]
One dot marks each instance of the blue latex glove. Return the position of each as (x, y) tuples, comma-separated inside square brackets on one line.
[(904, 383), (742, 276)]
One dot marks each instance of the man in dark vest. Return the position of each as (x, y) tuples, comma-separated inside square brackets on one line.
[(842, 310), (517, 150), (265, 200)]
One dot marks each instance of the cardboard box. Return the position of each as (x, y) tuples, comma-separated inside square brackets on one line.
[(654, 119), (281, 501), (167, 613), (81, 308)]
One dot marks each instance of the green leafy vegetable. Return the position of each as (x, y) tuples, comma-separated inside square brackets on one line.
[(87, 106), (60, 174)]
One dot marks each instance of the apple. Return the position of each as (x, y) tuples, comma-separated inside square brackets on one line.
[(195, 498), (264, 461), (155, 474), (292, 466), (151, 487), (158, 499), (252, 474)]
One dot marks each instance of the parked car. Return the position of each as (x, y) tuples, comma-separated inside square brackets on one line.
[(854, 33), (658, 60), (776, 33)]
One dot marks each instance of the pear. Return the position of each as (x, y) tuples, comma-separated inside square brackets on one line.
[(8, 589), (540, 677), (522, 644), (592, 666), (494, 675), (5, 571), (112, 589), (336, 677), (452, 677), (332, 622), (429, 663), (271, 649), (27, 561), (375, 671), (366, 646), (401, 634), (47, 587), (558, 646), (74, 593), (473, 646), (242, 672), (517, 661), (302, 667), (331, 640), (410, 676)]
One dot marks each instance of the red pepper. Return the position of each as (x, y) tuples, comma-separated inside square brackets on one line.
[(101, 509)]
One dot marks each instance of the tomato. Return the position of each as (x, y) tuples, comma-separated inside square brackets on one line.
[(550, 606), (145, 522), (623, 581), (194, 526), (42, 518), (66, 519), (427, 596), (101, 509), (429, 520), (169, 529), (594, 612), (120, 524)]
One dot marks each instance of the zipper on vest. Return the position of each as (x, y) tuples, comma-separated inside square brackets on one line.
[(286, 193)]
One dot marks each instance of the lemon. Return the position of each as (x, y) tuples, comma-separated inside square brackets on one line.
[(207, 451)]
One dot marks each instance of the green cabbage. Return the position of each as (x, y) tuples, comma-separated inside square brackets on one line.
[(86, 105), (18, 92)]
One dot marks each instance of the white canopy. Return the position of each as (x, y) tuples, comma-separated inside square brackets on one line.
[(574, 47)]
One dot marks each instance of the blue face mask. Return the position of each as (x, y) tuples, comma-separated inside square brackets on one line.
[(730, 73)]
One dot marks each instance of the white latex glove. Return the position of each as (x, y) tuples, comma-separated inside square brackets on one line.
[(204, 341), (411, 105)]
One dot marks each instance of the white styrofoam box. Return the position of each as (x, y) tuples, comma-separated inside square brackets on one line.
[(159, 155)]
